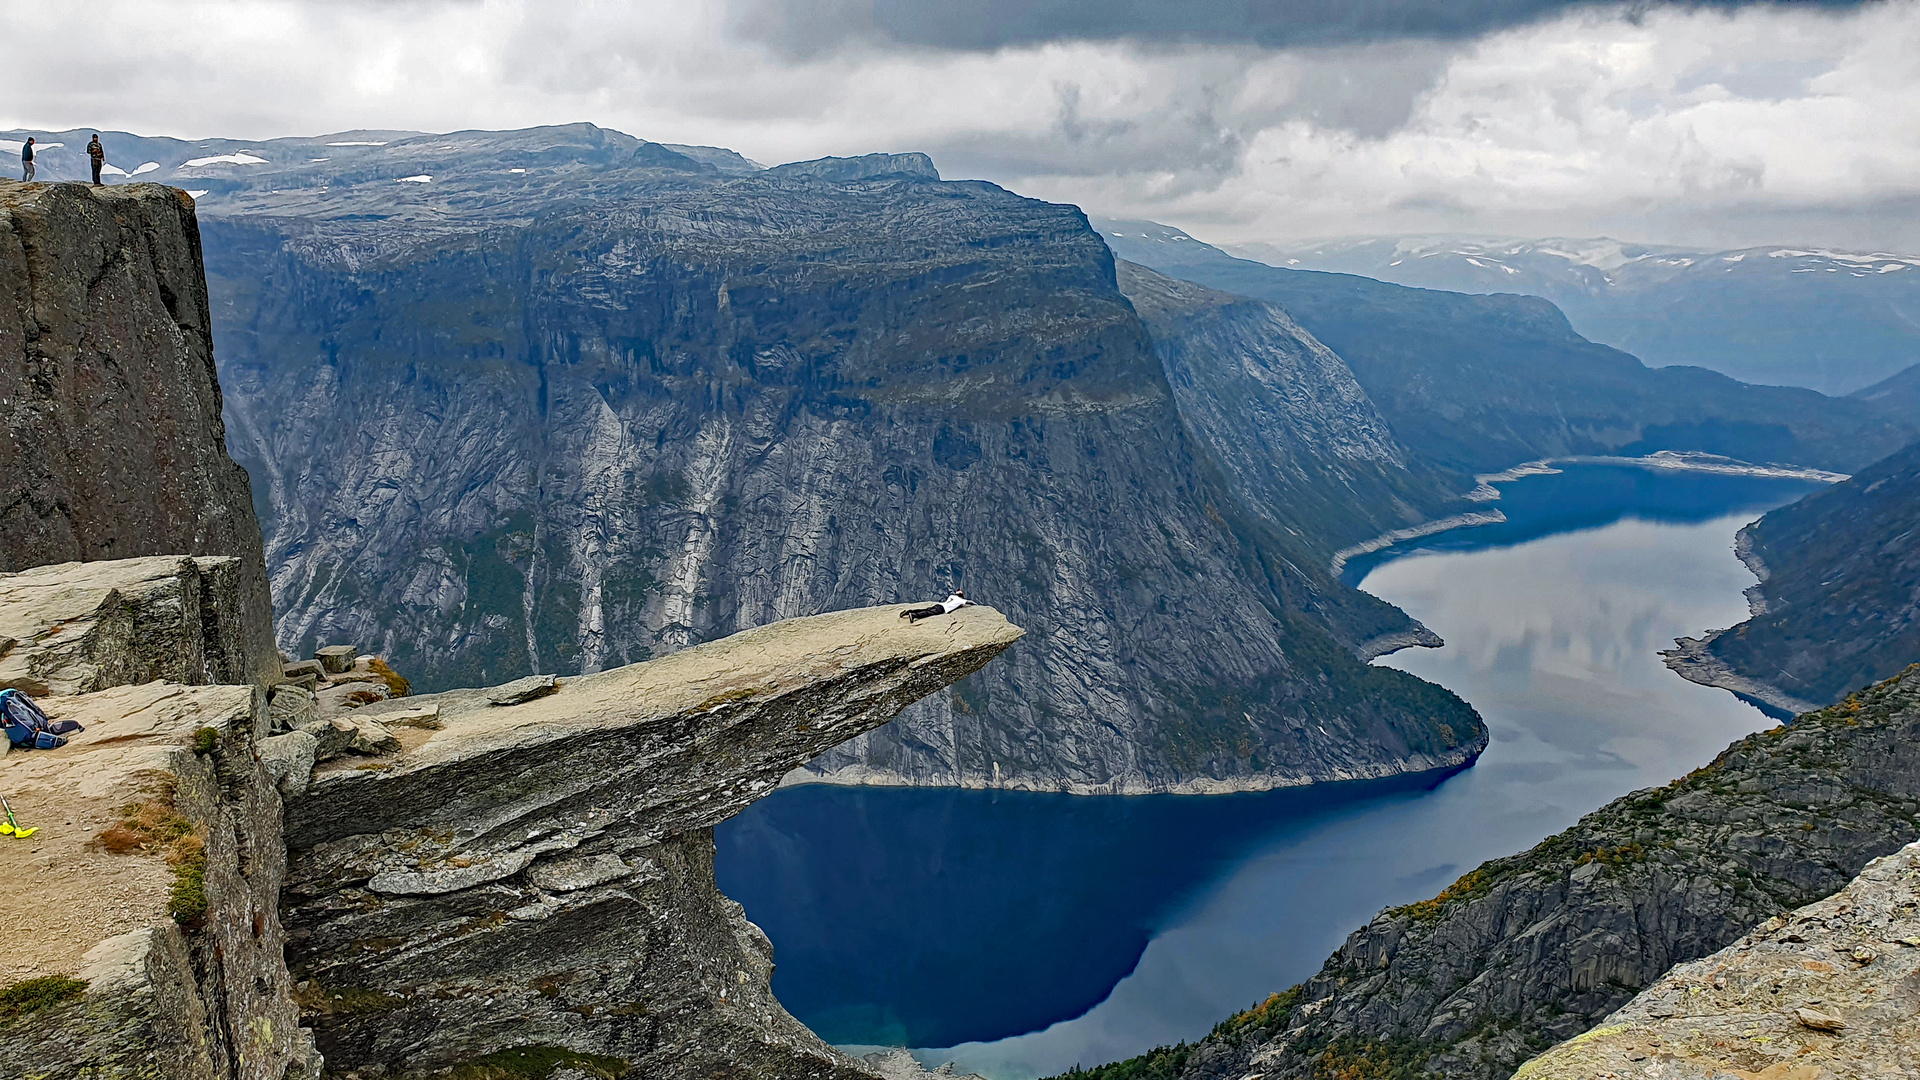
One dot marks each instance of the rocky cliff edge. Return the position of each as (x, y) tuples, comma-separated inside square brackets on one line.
[(492, 878)]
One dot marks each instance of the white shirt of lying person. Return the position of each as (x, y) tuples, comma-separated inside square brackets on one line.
[(953, 603)]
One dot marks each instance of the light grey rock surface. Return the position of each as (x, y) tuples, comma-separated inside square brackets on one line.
[(199, 992), (1827, 991), (73, 628), (112, 444), (543, 874), (335, 659)]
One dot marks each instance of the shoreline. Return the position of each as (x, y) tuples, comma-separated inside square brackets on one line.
[(1659, 461), (1408, 768)]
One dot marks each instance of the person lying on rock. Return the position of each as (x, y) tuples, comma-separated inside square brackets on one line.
[(948, 606)]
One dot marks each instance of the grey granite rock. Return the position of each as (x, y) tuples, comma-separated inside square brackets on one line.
[(289, 760), (521, 691), (544, 873), (1828, 990), (116, 447), (334, 659), (73, 628)]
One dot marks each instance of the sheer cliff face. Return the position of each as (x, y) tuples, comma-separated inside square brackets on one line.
[(113, 445), (614, 431), (1531, 949)]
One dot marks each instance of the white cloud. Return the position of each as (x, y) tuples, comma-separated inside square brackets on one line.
[(1771, 123)]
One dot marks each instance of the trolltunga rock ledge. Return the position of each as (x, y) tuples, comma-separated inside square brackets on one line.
[(541, 873)]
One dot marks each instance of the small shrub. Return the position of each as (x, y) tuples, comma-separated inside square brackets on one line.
[(204, 740), (395, 683), (32, 995)]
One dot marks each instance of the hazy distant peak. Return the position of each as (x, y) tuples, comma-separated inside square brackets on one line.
[(866, 167)]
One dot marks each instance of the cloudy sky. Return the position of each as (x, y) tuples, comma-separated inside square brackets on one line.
[(1708, 123)]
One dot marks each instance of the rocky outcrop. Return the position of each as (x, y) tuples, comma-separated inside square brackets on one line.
[(154, 881), (73, 628), (1838, 604), (520, 873), (1828, 990), (1532, 949), (113, 445), (670, 405), (539, 870)]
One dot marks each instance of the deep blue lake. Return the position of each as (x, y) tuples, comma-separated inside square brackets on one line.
[(1019, 934)]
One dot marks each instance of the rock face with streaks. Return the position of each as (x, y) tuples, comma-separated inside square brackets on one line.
[(113, 445), (596, 422), (1535, 948), (541, 872), (1828, 990)]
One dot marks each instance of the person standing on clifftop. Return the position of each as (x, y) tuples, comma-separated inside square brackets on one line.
[(99, 155), (26, 160)]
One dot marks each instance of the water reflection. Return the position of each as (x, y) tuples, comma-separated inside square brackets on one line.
[(912, 916)]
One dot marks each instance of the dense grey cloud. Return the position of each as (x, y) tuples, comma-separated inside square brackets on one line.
[(1686, 123), (813, 25)]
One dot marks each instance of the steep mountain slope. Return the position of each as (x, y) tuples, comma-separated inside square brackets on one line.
[(622, 403), (1838, 604), (1306, 455), (1531, 949), (1896, 395), (1833, 321), (1481, 383)]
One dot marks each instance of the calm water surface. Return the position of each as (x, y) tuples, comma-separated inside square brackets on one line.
[(1020, 934)]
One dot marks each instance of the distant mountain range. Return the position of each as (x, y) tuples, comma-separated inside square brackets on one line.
[(1481, 382), (1835, 321)]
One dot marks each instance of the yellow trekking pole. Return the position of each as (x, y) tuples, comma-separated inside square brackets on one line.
[(12, 828)]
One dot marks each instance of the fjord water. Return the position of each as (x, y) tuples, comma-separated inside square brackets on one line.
[(1019, 934)]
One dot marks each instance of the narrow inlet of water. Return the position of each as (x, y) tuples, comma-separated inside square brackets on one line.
[(1020, 934)]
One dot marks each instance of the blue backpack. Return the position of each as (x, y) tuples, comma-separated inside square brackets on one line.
[(30, 729)]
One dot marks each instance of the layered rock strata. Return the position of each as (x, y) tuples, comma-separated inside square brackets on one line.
[(537, 868), (1828, 990), (112, 444), (73, 628), (1532, 949)]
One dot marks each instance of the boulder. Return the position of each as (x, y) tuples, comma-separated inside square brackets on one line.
[(332, 737), (289, 759), (372, 739), (302, 668), (522, 690), (290, 707), (336, 658)]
